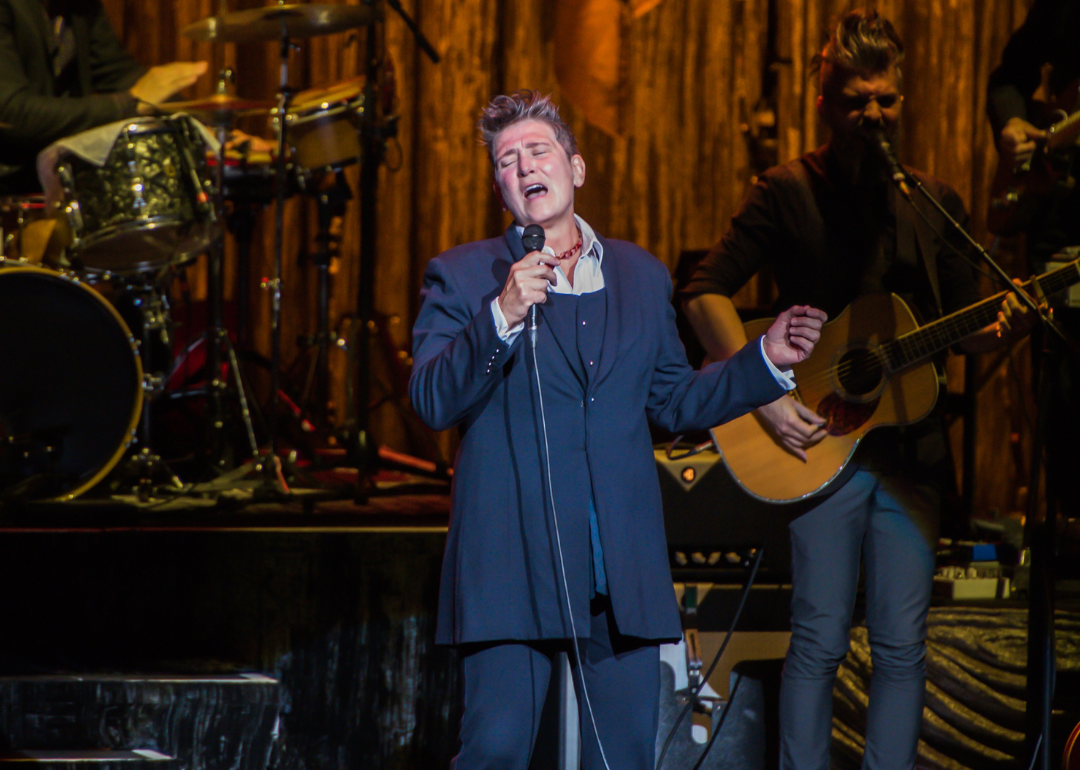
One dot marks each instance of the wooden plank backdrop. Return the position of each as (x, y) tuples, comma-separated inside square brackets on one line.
[(697, 70)]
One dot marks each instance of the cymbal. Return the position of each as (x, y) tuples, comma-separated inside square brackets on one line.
[(254, 24), (219, 109)]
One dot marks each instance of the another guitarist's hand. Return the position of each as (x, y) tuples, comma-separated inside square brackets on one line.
[(793, 425), (793, 334), (1018, 141), (1015, 319)]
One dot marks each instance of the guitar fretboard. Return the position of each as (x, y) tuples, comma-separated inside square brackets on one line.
[(929, 340), (1063, 133)]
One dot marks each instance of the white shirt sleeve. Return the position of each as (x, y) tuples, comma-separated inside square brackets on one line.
[(507, 334), (785, 379)]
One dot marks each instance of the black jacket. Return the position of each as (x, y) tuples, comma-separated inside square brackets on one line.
[(33, 111)]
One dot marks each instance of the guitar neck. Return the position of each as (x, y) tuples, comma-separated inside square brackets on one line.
[(929, 340), (1063, 133)]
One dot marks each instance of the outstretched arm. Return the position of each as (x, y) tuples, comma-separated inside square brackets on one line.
[(717, 325)]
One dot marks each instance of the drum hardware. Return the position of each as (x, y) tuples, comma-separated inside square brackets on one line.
[(373, 132), (272, 470), (145, 473), (27, 233), (330, 201), (220, 107), (274, 22), (286, 23), (217, 337)]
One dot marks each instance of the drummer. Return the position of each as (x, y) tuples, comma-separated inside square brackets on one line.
[(63, 70)]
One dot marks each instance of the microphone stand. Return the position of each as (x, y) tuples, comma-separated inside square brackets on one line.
[(372, 135), (1041, 536)]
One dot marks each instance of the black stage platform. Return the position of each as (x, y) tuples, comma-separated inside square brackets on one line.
[(333, 600)]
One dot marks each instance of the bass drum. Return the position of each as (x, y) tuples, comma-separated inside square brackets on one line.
[(70, 385)]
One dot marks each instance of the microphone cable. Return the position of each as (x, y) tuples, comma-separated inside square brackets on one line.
[(558, 538), (693, 696)]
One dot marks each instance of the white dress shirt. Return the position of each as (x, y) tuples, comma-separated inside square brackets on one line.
[(588, 278)]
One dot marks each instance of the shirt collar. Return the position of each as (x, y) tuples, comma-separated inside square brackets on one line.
[(590, 244)]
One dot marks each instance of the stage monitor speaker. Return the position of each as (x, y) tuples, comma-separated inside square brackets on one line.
[(714, 527)]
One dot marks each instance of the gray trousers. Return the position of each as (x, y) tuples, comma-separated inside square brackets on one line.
[(890, 521)]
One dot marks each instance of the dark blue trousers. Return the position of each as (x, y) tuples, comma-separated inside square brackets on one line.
[(890, 521), (506, 684)]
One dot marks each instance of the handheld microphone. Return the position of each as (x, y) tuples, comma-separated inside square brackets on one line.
[(884, 150), (533, 238)]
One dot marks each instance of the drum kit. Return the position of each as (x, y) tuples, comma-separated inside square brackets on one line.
[(125, 208)]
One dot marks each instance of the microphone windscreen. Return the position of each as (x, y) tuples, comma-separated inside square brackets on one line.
[(533, 238)]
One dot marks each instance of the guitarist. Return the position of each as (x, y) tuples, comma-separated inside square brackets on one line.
[(1047, 37), (831, 227)]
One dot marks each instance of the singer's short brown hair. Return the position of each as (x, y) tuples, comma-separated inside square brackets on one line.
[(507, 109), (861, 43)]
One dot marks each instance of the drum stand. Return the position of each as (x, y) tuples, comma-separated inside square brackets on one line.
[(145, 469), (268, 466), (216, 333), (330, 200)]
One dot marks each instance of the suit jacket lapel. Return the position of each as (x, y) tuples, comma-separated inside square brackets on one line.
[(609, 347)]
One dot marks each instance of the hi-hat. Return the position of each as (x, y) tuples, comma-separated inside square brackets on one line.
[(269, 23), (219, 108)]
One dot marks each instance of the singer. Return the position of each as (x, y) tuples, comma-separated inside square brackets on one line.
[(525, 575), (832, 227)]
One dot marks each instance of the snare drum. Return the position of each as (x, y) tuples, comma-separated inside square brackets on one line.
[(146, 208), (70, 384), (321, 125), (252, 179)]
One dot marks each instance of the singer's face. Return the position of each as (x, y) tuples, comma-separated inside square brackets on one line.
[(534, 178), (860, 103)]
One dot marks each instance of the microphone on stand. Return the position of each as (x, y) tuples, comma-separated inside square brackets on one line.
[(533, 238), (884, 150)]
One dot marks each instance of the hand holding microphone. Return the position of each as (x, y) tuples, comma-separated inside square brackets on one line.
[(532, 238), (526, 286)]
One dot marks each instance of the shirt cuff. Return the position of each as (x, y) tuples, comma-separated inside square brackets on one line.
[(785, 379), (502, 328)]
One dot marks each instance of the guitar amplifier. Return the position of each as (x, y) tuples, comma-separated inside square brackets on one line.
[(714, 527)]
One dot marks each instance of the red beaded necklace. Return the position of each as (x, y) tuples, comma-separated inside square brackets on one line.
[(570, 252)]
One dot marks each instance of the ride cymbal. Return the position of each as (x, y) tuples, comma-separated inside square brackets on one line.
[(298, 21), (220, 108)]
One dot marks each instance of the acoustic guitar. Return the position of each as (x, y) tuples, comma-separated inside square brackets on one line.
[(1070, 760), (1017, 191), (872, 367)]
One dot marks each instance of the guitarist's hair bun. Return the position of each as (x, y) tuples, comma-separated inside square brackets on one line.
[(862, 42)]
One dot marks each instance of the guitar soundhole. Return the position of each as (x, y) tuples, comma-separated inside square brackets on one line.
[(859, 372)]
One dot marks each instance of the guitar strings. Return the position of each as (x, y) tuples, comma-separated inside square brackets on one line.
[(926, 341), (936, 336)]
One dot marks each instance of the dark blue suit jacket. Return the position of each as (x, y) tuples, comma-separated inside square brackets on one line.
[(501, 578)]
